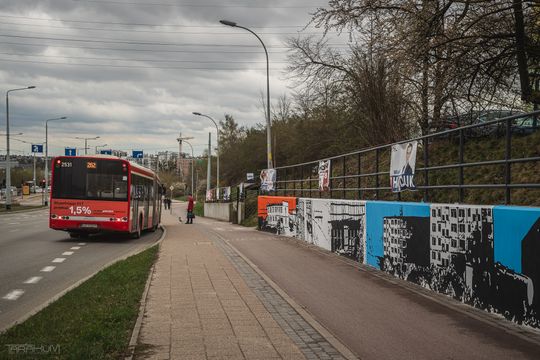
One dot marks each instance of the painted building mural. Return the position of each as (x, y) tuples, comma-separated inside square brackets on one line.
[(485, 256)]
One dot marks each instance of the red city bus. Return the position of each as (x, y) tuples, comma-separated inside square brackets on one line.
[(102, 193)]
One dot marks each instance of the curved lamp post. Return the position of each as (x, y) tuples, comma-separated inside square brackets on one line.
[(86, 142), (268, 122), (98, 146), (8, 164), (46, 192), (217, 141)]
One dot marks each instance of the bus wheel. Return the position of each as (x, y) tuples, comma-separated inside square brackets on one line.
[(137, 233), (73, 235)]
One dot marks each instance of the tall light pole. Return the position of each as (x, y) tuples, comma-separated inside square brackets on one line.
[(217, 144), (46, 190), (8, 164), (86, 142), (192, 165), (269, 160), (98, 146)]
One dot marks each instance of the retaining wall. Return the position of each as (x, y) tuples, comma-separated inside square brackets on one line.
[(486, 256), (219, 211)]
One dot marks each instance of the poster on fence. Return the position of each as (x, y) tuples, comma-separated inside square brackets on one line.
[(268, 179), (227, 193), (324, 175), (210, 195), (402, 164)]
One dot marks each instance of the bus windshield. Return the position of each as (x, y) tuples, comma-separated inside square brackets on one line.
[(92, 179)]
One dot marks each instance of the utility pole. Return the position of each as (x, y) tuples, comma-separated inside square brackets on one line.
[(178, 166), (209, 167), (181, 163)]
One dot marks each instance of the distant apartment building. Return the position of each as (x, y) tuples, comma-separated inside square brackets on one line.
[(347, 228), (454, 228), (405, 240)]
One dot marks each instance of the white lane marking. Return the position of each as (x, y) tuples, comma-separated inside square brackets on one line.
[(48, 268), (81, 244), (14, 295), (33, 280), (59, 260), (14, 223), (67, 253), (74, 248)]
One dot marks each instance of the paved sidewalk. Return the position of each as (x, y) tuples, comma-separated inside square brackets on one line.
[(205, 302)]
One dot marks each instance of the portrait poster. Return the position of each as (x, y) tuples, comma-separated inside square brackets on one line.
[(402, 166), (268, 179), (324, 175), (209, 195)]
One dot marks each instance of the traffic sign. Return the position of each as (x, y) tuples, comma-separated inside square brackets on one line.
[(106, 152), (38, 148), (71, 152), (171, 188), (137, 154)]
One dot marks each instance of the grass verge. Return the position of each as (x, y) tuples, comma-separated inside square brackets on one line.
[(198, 208), (92, 321)]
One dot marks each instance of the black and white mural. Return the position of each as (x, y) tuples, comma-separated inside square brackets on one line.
[(485, 256), (335, 225)]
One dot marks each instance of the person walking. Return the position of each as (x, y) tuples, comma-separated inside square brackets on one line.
[(190, 214)]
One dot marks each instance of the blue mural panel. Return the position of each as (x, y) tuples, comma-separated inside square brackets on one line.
[(376, 212), (512, 223)]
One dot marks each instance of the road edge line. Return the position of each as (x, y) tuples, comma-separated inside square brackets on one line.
[(78, 283), (310, 319)]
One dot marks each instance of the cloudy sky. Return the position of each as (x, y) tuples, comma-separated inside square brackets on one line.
[(133, 71)]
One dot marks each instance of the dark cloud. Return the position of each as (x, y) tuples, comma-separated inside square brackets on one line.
[(132, 94)]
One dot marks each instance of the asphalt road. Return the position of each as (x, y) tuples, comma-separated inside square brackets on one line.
[(378, 317), (31, 267)]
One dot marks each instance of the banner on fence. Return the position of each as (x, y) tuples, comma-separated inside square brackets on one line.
[(209, 195), (402, 165), (268, 179), (227, 193), (324, 175)]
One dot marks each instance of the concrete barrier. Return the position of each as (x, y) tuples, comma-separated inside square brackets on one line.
[(219, 211)]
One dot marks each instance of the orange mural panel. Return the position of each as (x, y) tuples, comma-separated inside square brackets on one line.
[(264, 201)]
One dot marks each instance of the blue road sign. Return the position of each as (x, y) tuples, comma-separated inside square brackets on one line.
[(37, 148), (106, 152), (71, 152), (137, 154)]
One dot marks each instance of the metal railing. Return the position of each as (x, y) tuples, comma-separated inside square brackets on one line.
[(363, 174)]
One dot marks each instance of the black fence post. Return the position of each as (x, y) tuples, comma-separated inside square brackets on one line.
[(461, 157), (507, 156), (359, 179), (285, 183), (302, 181), (426, 171), (344, 182), (377, 174)]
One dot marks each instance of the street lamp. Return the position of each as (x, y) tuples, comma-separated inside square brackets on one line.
[(268, 122), (46, 190), (192, 164), (86, 142), (217, 141), (98, 146), (8, 164)]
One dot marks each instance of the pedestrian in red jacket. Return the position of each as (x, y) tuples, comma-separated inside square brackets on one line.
[(190, 214)]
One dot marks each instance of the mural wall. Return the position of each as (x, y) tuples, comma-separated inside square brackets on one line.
[(485, 256)]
